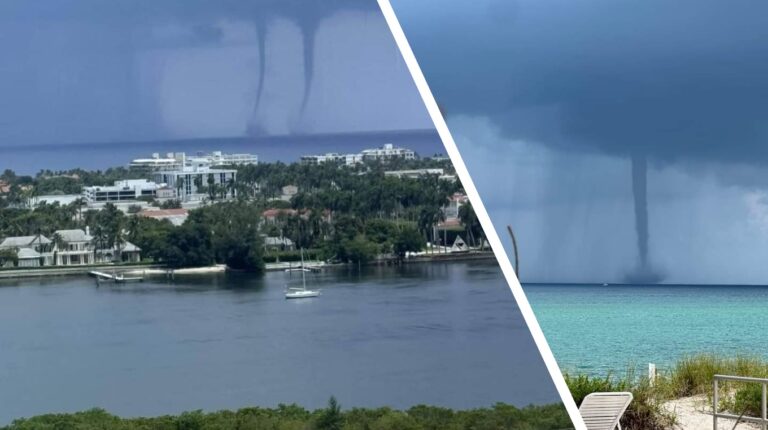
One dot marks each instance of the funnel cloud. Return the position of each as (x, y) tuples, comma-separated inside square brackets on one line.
[(91, 71), (666, 90)]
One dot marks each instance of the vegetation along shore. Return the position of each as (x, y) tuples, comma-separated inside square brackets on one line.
[(369, 212), (680, 397), (293, 417)]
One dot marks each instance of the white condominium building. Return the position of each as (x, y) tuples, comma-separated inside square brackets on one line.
[(388, 152), (121, 191), (180, 160), (385, 153), (332, 157), (191, 183)]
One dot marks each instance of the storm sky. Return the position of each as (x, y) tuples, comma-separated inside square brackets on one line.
[(552, 101), (91, 71)]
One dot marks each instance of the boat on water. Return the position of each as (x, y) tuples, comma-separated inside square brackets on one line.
[(300, 293), (303, 292), (121, 279)]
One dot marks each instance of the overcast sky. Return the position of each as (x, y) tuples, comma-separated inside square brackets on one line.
[(550, 100), (93, 71)]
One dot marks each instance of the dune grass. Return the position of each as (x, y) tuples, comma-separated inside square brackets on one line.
[(690, 376)]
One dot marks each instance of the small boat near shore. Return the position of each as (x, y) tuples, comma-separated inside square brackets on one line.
[(303, 292)]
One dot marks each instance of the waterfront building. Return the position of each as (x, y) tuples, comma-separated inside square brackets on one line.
[(332, 157), (156, 162), (180, 160), (78, 247), (125, 253), (31, 251), (455, 202), (191, 183), (67, 248), (276, 243), (387, 152), (121, 191), (73, 248), (218, 158)]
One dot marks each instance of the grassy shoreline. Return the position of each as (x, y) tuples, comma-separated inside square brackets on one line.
[(690, 376), (292, 417)]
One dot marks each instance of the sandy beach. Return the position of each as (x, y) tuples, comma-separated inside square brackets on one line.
[(695, 413)]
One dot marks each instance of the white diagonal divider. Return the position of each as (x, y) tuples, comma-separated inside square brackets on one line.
[(482, 214)]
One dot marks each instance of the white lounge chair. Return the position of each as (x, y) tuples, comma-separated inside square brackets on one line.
[(603, 411)]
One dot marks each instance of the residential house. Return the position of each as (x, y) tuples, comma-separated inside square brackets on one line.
[(270, 216), (455, 202), (74, 248), (272, 243), (125, 253), (31, 251)]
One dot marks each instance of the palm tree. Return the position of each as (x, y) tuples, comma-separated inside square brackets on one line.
[(469, 219), (232, 186), (80, 203), (134, 223), (212, 186), (39, 248), (198, 183), (58, 243), (180, 187), (119, 244), (99, 238)]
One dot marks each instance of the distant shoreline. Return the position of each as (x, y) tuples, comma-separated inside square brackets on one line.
[(152, 269)]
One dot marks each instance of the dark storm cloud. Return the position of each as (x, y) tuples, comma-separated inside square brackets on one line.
[(681, 83), (668, 79), (72, 70)]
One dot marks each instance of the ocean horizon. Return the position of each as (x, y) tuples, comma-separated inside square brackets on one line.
[(30, 159), (606, 330)]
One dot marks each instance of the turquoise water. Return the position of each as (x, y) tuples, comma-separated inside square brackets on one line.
[(598, 329)]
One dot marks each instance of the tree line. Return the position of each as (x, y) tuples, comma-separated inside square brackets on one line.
[(349, 214), (498, 417)]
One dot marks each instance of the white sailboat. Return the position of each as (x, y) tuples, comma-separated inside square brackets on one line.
[(303, 292)]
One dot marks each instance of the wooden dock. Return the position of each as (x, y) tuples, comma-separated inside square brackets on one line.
[(102, 276)]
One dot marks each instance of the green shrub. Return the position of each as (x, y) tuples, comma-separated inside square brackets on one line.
[(645, 411), (748, 400), (293, 417)]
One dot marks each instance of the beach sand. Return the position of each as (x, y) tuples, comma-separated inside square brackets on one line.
[(695, 413)]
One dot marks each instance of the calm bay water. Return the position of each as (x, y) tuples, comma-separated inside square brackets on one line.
[(599, 329), (443, 334), (98, 156)]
